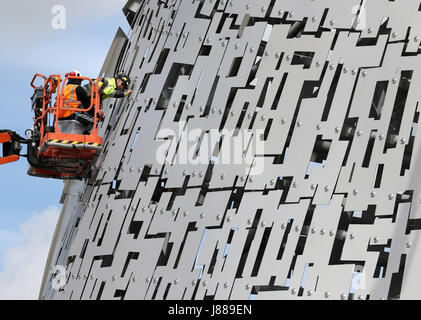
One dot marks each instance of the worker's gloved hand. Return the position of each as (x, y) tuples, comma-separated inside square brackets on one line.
[(128, 92)]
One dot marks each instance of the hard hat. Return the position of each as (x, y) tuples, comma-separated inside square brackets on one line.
[(125, 79), (73, 73)]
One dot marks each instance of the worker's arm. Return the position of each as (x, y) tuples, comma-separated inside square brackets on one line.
[(83, 97)]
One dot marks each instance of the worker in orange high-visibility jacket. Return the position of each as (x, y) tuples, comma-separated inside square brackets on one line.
[(74, 97)]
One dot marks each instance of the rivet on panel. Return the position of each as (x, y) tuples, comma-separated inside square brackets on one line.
[(408, 244), (373, 194), (313, 230), (352, 236), (322, 232)]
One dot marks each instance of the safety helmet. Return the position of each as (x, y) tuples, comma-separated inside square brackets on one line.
[(125, 79), (73, 73)]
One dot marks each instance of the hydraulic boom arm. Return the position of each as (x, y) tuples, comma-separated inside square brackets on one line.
[(11, 146)]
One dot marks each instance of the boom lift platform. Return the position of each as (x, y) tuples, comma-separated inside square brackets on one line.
[(50, 152)]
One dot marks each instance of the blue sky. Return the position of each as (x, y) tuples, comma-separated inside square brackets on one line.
[(31, 45)]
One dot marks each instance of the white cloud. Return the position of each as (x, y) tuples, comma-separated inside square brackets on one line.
[(23, 263)]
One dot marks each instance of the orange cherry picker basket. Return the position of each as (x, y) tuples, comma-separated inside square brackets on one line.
[(56, 154)]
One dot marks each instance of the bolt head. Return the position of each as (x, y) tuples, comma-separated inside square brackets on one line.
[(313, 187), (376, 239), (202, 215), (218, 217), (263, 224), (323, 231), (176, 281), (409, 244), (373, 194), (248, 286), (352, 236), (327, 294), (313, 230), (309, 292), (355, 192), (297, 228), (391, 196), (343, 296), (249, 221), (331, 233), (327, 188), (314, 19)]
